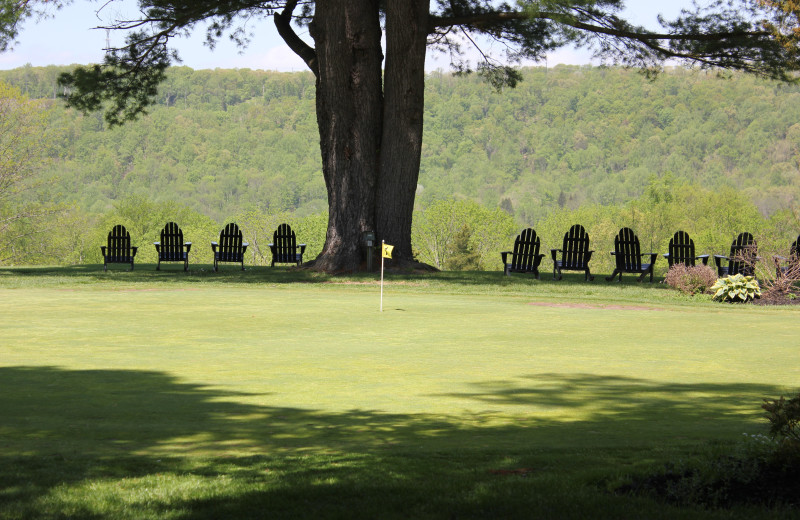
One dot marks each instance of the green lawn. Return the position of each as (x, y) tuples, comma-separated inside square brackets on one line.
[(276, 394)]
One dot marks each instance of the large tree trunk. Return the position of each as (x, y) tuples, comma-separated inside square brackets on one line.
[(347, 37), (403, 109)]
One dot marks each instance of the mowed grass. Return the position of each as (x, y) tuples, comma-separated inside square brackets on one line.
[(277, 393)]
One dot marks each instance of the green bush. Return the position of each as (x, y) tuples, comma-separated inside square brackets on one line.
[(736, 288), (784, 418)]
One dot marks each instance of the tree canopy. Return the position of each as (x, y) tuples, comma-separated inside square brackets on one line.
[(370, 100)]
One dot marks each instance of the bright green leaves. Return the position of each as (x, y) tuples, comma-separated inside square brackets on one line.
[(736, 288)]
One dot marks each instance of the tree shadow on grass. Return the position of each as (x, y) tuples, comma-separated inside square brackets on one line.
[(63, 427), (202, 273)]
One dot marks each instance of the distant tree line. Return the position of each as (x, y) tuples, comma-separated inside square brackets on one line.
[(587, 144)]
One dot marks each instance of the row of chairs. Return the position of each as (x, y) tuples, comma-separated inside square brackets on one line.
[(575, 254), (172, 248)]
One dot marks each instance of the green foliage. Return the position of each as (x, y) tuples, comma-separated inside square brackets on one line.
[(696, 279), (463, 256), (436, 227), (736, 289), (144, 220), (600, 147), (784, 418), (26, 208), (259, 228)]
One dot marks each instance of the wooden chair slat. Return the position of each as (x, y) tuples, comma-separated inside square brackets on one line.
[(525, 257), (628, 256), (171, 247), (742, 257), (118, 249), (575, 253), (231, 246), (284, 247)]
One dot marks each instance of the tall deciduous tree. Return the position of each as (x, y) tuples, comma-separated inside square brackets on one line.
[(371, 125), (24, 132)]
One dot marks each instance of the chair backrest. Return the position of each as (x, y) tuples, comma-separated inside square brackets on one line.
[(627, 252), (681, 249), (230, 243), (285, 243), (119, 242), (526, 248), (171, 241), (575, 248), (742, 258)]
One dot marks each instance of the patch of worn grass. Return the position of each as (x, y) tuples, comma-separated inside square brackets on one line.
[(286, 393)]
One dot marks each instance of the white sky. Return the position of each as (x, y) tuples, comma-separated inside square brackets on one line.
[(71, 37)]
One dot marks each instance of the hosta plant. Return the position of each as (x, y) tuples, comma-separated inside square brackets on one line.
[(736, 288)]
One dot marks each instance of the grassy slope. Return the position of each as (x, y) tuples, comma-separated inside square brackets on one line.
[(165, 395)]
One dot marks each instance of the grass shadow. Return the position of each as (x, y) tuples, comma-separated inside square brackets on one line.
[(204, 274), (63, 428)]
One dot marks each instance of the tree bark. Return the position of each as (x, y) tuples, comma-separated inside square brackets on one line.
[(347, 37), (403, 110)]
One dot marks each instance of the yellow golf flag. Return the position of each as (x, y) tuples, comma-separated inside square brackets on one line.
[(387, 251)]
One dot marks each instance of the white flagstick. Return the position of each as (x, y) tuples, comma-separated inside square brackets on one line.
[(382, 242)]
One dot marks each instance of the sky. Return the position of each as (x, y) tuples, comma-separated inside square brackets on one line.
[(71, 36)]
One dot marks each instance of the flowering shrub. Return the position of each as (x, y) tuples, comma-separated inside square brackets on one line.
[(691, 279)]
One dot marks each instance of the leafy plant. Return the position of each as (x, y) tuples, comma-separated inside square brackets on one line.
[(736, 288), (691, 279), (784, 418)]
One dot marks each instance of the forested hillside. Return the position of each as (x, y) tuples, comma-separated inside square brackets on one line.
[(228, 142)]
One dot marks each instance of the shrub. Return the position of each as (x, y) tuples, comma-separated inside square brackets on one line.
[(736, 288), (784, 418), (691, 279)]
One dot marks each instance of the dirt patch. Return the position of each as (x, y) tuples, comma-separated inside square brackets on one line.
[(595, 306)]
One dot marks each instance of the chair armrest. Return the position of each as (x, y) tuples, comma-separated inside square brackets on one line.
[(245, 244), (158, 246), (504, 255), (718, 260), (614, 253), (589, 255), (188, 246), (156, 243), (302, 248), (134, 249), (704, 258), (666, 255), (103, 250), (653, 256), (214, 246), (554, 254)]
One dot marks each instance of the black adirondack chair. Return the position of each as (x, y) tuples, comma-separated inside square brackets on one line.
[(575, 253), (681, 251), (783, 265), (628, 256), (171, 247), (231, 246), (742, 258), (284, 247), (525, 257), (118, 249)]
